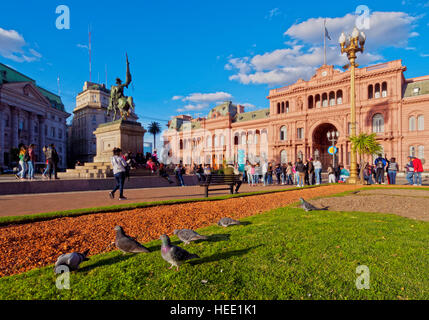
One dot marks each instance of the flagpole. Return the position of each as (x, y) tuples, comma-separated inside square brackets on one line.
[(324, 42)]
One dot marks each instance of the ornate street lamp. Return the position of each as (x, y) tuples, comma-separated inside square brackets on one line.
[(333, 137), (352, 45)]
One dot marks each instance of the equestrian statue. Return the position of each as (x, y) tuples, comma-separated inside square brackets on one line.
[(118, 101)]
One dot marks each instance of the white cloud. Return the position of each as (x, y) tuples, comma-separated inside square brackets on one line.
[(82, 46), (248, 105), (304, 52), (192, 107), (424, 55), (12, 46), (272, 13), (177, 98), (207, 97), (391, 29)]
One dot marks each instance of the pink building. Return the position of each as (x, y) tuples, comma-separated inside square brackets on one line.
[(301, 115)]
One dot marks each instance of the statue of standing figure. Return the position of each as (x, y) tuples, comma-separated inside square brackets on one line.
[(118, 101)]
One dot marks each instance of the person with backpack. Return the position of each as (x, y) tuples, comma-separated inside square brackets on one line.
[(380, 164), (300, 169), (118, 165), (392, 169)]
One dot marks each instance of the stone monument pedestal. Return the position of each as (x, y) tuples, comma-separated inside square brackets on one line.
[(123, 134), (127, 135)]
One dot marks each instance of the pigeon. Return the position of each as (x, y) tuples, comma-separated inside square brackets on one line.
[(174, 254), (126, 243), (226, 222), (70, 260), (187, 235), (308, 206)]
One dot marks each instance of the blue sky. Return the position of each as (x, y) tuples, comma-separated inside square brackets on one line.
[(188, 55)]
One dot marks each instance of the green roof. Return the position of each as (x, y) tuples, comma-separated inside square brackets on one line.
[(9, 75), (223, 109), (423, 88), (253, 115)]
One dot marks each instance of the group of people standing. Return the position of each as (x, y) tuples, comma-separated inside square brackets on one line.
[(382, 167), (27, 162)]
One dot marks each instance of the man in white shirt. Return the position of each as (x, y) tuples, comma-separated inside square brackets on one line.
[(119, 168)]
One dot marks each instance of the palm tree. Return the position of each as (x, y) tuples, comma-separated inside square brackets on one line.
[(154, 128), (365, 144)]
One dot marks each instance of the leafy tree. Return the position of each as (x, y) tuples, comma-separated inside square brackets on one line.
[(365, 144), (154, 128)]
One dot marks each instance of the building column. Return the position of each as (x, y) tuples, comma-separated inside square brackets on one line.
[(31, 117), (1, 136), (41, 137), (14, 127)]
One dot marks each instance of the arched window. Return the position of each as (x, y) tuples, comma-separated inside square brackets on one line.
[(235, 140), (377, 92), (243, 139), (208, 142), (310, 102), (287, 106), (420, 123), (332, 98), (181, 144), (283, 107), (278, 108), (384, 89), (324, 100), (317, 100), (283, 156), (412, 123), (412, 151), (340, 97), (378, 123), (421, 152), (370, 91), (283, 133), (215, 141)]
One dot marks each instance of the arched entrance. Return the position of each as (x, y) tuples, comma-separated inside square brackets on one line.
[(321, 144)]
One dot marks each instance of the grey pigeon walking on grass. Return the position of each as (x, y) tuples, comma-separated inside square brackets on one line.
[(128, 244), (70, 260), (308, 206), (187, 235), (226, 222), (174, 254)]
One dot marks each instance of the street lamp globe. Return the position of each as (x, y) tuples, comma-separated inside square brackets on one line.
[(355, 33), (337, 134), (329, 135), (362, 38), (342, 39)]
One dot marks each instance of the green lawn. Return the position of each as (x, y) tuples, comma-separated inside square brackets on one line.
[(283, 254)]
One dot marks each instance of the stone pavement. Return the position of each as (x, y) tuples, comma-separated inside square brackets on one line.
[(27, 204)]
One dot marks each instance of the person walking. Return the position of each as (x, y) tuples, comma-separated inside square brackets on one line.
[(300, 169), (179, 176), (31, 161), (392, 169), (289, 174), (270, 173), (318, 170), (119, 167), (233, 170), (207, 172), (418, 169), (256, 174), (53, 160), (23, 159), (380, 164), (409, 168)]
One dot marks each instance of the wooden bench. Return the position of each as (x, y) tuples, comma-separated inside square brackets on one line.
[(219, 180)]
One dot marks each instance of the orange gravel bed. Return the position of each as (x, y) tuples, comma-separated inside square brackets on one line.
[(28, 246)]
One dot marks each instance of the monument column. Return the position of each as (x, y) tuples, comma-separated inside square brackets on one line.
[(30, 128)]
